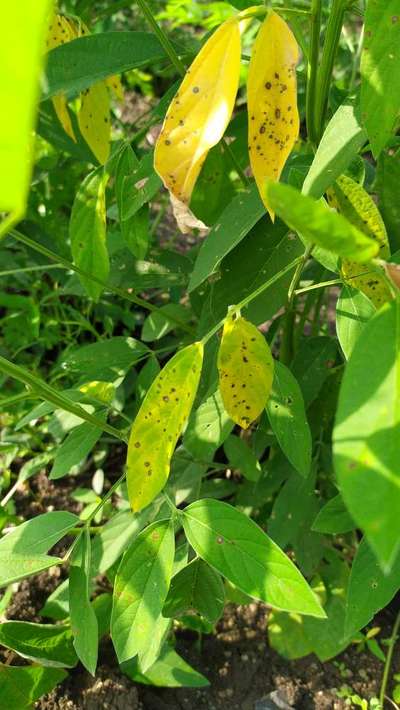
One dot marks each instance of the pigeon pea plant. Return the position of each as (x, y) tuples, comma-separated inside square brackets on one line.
[(230, 463)]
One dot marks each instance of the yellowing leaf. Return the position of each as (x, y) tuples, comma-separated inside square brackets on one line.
[(115, 85), (159, 424), (349, 198), (94, 120), (272, 101), (246, 370), (60, 32), (199, 113)]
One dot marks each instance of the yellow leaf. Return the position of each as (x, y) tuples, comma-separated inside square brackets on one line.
[(159, 424), (246, 370), (199, 113), (60, 32), (115, 85), (94, 120), (272, 101), (350, 198)]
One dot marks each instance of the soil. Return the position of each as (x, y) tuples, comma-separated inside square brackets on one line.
[(237, 660)]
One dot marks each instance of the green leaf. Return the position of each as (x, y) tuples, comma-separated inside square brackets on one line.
[(158, 324), (22, 550), (169, 671), (83, 618), (107, 359), (241, 457), (232, 543), (74, 449), (21, 57), (197, 587), (46, 644), (266, 250), (387, 182), (159, 423), (369, 588), (208, 427), (312, 364), (380, 72), (366, 433), (287, 416), (136, 229), (234, 223), (74, 66), (286, 635), (343, 138), (21, 687), (333, 518), (140, 589), (317, 224), (353, 311), (87, 230), (114, 538)]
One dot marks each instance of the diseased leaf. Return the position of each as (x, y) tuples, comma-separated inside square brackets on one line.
[(246, 370), (140, 589), (159, 423), (317, 224), (60, 32), (199, 114), (197, 587), (272, 101), (287, 416), (232, 543), (369, 588), (87, 229), (358, 207), (387, 183), (366, 433), (380, 72), (94, 120)]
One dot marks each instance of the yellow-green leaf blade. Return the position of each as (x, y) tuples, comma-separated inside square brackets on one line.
[(246, 371), (94, 120), (159, 424)]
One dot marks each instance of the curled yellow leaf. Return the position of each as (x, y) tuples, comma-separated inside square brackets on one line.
[(350, 198), (246, 370), (159, 424), (198, 115), (272, 101)]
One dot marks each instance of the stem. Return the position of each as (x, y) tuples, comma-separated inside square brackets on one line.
[(104, 500), (254, 294), (323, 284), (312, 70), (286, 353), (66, 264), (388, 661), (332, 37), (49, 394)]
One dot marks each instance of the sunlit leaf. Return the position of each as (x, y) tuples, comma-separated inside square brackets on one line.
[(94, 120), (198, 115), (159, 424), (272, 101), (246, 370), (319, 225)]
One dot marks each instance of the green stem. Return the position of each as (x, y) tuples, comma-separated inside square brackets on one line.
[(322, 284), (332, 37), (66, 264), (388, 661), (312, 70), (49, 394), (286, 353), (254, 294), (28, 269), (104, 500)]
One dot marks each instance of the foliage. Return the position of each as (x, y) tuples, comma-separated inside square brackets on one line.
[(223, 407)]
